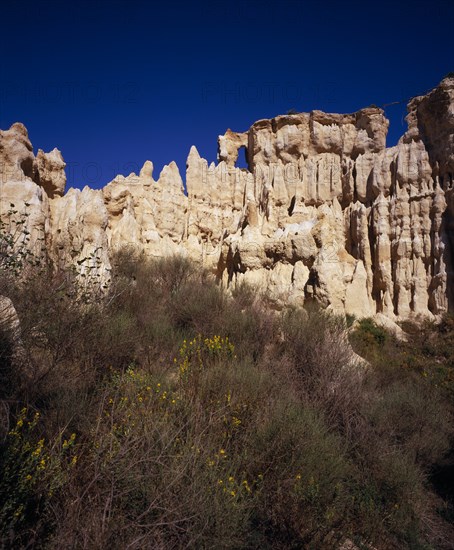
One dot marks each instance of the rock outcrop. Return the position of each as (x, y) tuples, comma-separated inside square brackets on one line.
[(325, 211), (13, 354)]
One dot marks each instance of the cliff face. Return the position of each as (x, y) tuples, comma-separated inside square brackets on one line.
[(325, 211)]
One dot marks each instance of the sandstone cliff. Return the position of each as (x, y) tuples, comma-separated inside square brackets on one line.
[(325, 211)]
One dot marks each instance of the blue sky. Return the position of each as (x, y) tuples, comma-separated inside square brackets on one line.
[(114, 83)]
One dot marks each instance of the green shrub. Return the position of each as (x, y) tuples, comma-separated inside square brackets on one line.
[(368, 327), (34, 471), (350, 320), (206, 420)]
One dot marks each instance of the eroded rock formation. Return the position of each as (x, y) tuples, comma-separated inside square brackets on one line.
[(325, 211)]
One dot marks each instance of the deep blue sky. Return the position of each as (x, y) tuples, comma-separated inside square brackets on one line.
[(112, 83)]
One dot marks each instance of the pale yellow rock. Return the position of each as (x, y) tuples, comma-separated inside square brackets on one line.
[(324, 211), (229, 145), (51, 170), (146, 173), (357, 299), (79, 234), (392, 327), (17, 161), (25, 215)]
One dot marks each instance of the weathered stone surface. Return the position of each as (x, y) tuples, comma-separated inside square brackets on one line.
[(24, 205), (78, 234), (229, 145), (16, 154), (324, 211), (51, 170)]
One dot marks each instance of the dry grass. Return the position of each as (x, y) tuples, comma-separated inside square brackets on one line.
[(208, 421)]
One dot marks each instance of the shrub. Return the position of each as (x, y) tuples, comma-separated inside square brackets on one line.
[(206, 420), (325, 371), (34, 471), (409, 417), (369, 328)]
